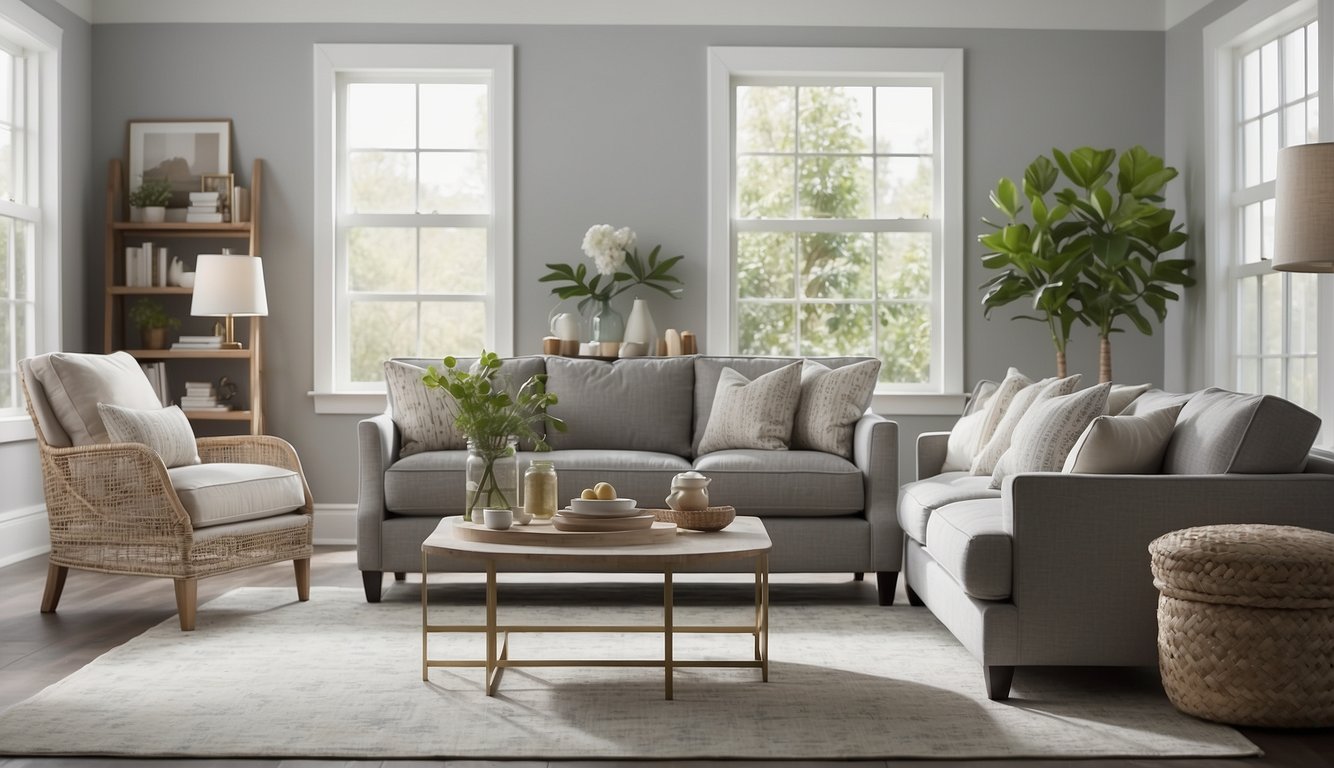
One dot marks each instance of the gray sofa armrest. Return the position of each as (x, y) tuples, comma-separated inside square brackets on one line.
[(931, 449), (875, 451), (1081, 577), (377, 448)]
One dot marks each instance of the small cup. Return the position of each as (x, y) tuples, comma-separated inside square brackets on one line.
[(522, 516), (497, 519)]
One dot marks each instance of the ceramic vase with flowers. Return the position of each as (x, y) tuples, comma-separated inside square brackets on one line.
[(493, 419)]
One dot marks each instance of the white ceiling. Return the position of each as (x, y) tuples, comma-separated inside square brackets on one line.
[(1152, 15)]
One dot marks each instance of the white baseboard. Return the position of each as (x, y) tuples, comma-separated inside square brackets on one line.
[(335, 524), (23, 534)]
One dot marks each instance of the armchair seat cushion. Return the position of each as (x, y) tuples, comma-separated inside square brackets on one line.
[(969, 541), (784, 483), (216, 494), (918, 500)]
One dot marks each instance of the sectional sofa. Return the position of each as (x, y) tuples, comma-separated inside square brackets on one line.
[(1052, 568), (636, 423)]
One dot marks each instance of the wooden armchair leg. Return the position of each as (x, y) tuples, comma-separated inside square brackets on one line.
[(55, 584), (186, 596), (302, 568)]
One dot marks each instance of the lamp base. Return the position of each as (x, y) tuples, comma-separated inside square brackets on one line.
[(231, 345)]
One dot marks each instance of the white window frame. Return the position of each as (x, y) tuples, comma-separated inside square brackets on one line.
[(727, 65), (496, 64), (1239, 29), (40, 39)]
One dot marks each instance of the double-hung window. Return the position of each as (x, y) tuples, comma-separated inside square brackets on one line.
[(415, 223), (1267, 99), (29, 178), (835, 207)]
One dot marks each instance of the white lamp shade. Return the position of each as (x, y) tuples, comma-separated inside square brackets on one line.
[(229, 285), (1304, 209)]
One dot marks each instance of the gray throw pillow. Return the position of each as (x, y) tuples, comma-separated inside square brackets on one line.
[(832, 400), (164, 430), (753, 414)]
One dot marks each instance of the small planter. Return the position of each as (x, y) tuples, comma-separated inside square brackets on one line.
[(154, 214), (155, 338)]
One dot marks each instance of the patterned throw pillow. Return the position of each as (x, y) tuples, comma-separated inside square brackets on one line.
[(832, 400), (1045, 435), (423, 419), (1013, 383), (984, 463), (753, 414), (1123, 445), (165, 430)]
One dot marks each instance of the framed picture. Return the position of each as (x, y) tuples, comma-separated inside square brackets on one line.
[(222, 183), (181, 151)]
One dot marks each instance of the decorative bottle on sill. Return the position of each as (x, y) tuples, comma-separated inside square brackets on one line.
[(640, 328)]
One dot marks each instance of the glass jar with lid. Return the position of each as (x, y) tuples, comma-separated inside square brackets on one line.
[(539, 490)]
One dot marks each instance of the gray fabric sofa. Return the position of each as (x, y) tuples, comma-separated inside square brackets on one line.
[(636, 423), (1053, 568)]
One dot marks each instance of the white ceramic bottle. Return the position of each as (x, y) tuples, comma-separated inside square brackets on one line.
[(640, 328)]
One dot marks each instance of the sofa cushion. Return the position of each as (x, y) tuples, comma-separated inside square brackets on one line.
[(754, 414), (75, 383), (1220, 431), (984, 463), (1044, 436), (215, 494), (1153, 400), (1122, 395), (1123, 445), (918, 500), (166, 431), (637, 404), (783, 483), (832, 400), (433, 483), (422, 415), (969, 541)]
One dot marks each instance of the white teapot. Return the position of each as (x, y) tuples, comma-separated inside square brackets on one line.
[(690, 491)]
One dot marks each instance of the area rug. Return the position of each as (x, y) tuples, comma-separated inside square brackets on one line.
[(265, 676)]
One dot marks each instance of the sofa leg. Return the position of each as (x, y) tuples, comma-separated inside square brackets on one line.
[(913, 598), (301, 567), (55, 584), (858, 576), (998, 682), (186, 599), (400, 576), (371, 581), (885, 584)]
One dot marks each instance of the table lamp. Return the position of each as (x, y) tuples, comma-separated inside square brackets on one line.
[(1304, 209), (228, 286)]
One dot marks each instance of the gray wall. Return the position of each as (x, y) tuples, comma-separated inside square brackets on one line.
[(21, 477), (644, 169)]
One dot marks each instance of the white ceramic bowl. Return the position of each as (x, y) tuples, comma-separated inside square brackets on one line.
[(607, 507), (497, 519)]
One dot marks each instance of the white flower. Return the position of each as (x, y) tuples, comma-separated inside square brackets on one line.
[(607, 247)]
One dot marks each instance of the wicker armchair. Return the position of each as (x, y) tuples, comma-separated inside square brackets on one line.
[(112, 508)]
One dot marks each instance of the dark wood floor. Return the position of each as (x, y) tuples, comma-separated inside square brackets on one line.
[(99, 612)]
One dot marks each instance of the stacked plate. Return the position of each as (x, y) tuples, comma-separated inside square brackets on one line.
[(596, 515)]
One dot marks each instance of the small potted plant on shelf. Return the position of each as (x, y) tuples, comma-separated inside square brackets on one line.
[(153, 321), (151, 199)]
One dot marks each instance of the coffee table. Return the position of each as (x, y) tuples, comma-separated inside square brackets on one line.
[(744, 538)]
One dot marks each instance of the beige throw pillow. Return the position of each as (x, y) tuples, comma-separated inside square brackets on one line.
[(423, 419), (984, 463), (1045, 435), (1123, 445), (753, 414), (164, 430), (1013, 383), (962, 444), (832, 400), (1123, 395)]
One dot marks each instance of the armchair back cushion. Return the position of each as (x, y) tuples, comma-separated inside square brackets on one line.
[(635, 405), (1220, 431), (73, 384)]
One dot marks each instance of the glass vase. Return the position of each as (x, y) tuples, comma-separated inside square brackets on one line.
[(492, 477), (608, 325)]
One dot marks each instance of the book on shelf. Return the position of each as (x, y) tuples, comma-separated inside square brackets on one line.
[(202, 209), (157, 377), (196, 345), (240, 204), (203, 218), (197, 198), (187, 338), (214, 407)]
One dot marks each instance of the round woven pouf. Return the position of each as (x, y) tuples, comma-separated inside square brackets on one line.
[(1246, 623)]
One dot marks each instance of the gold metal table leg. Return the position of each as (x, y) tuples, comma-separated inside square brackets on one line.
[(764, 622), (491, 667), (667, 629), (758, 618), (424, 635)]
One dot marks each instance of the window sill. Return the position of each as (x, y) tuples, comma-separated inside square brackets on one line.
[(349, 403), (14, 429)]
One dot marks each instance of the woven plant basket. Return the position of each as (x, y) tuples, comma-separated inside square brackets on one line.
[(711, 519), (1246, 623)]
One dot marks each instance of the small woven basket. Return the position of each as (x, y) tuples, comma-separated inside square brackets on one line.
[(711, 519), (1246, 623)]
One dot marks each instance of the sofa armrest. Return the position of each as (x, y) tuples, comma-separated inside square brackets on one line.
[(377, 446), (1081, 576), (931, 450), (875, 451), (110, 493)]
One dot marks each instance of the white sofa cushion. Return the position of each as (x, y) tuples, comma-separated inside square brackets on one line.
[(214, 494), (969, 541), (919, 500), (753, 414), (1123, 445), (166, 431), (832, 400), (75, 383), (1045, 435)]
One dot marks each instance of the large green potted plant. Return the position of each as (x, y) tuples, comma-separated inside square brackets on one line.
[(1093, 254), (492, 419)]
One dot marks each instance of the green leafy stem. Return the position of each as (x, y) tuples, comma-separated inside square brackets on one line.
[(573, 282)]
